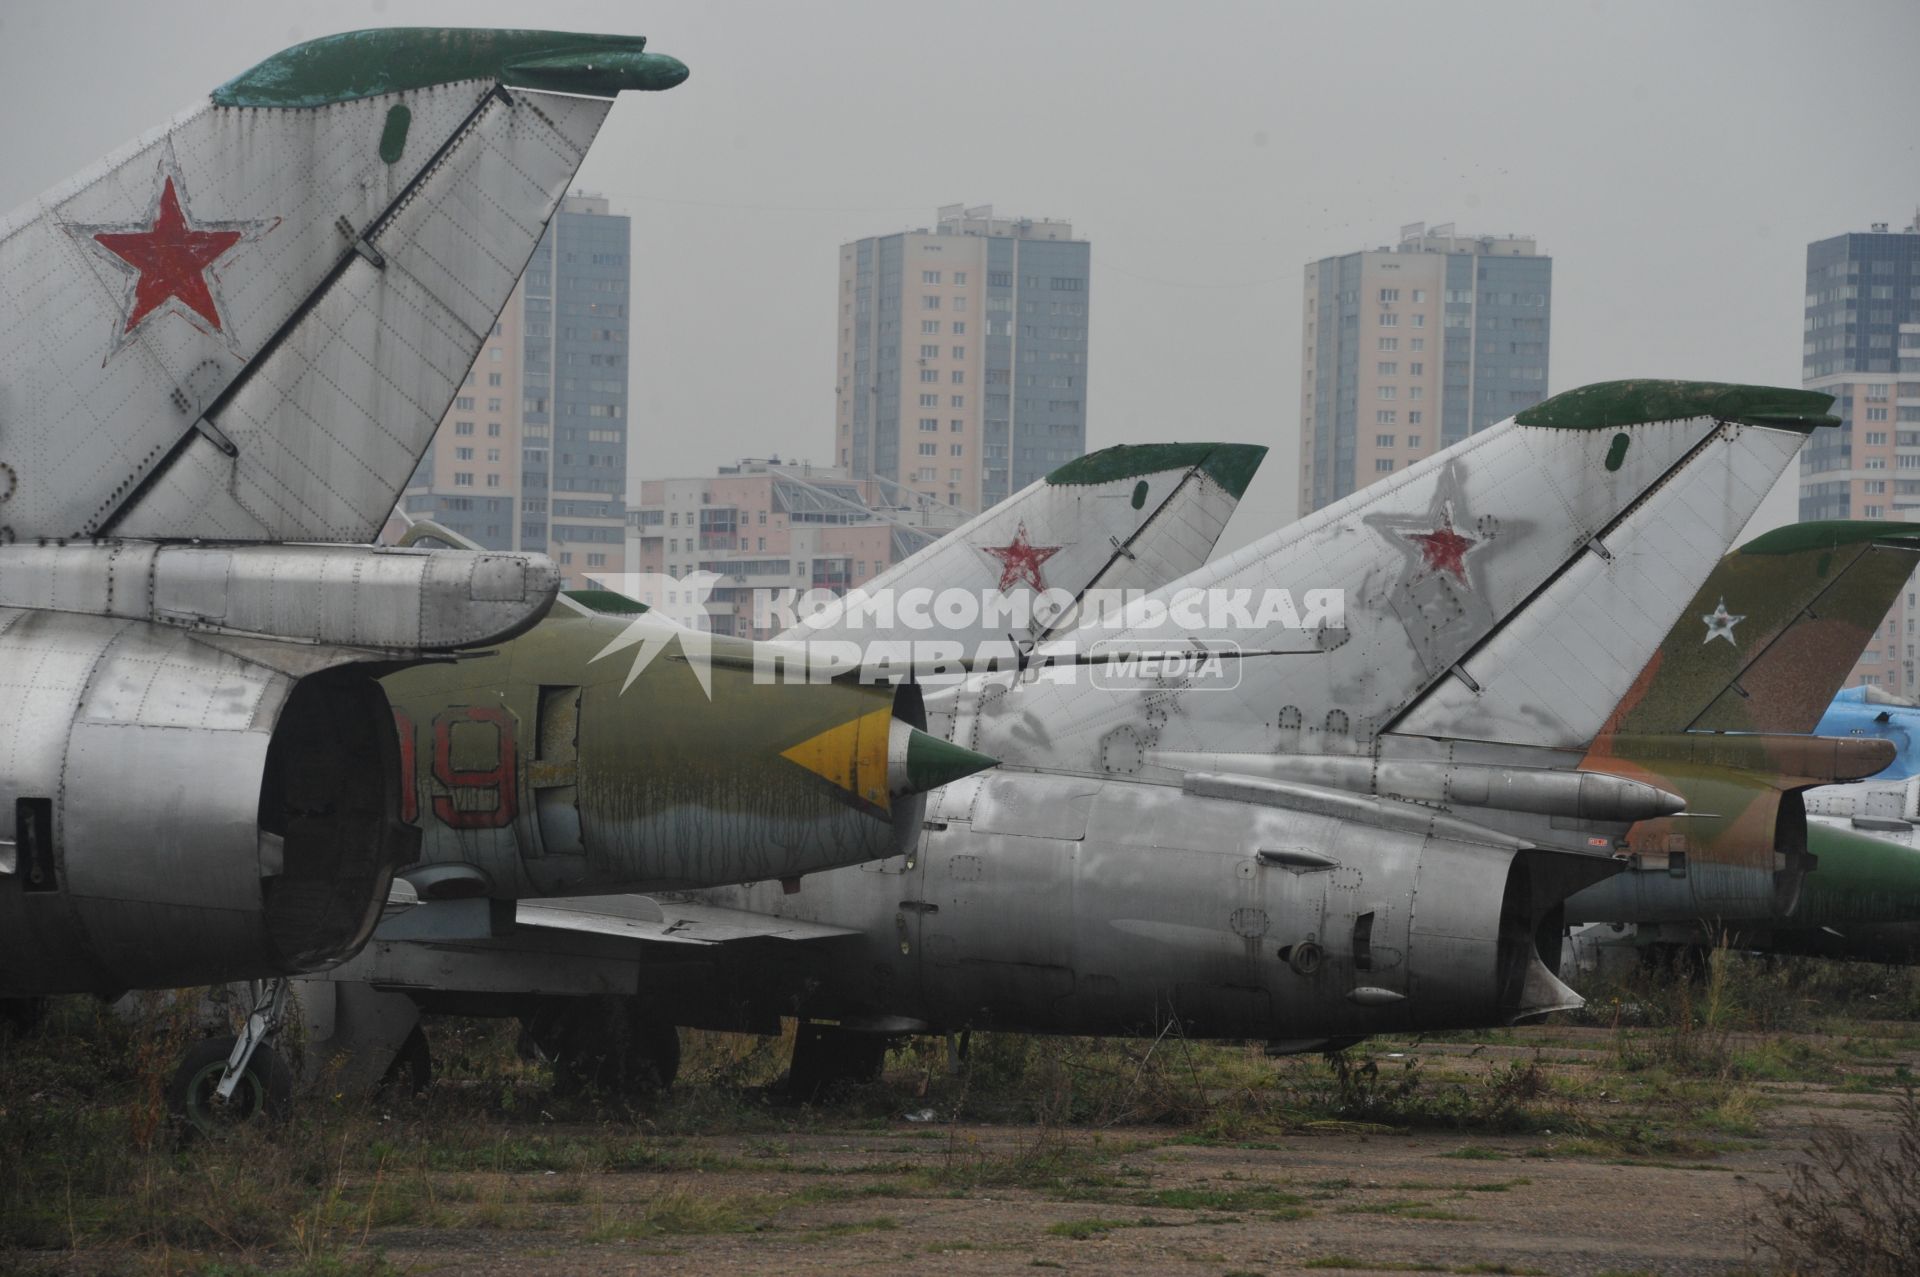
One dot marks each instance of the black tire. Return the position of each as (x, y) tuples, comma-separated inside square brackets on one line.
[(412, 1067), (609, 1044), (265, 1089)]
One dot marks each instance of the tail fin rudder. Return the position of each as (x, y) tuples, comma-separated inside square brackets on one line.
[(246, 325), (1768, 640), (1504, 591), (1130, 517)]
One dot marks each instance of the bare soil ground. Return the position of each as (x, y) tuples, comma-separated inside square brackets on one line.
[(1558, 1149)]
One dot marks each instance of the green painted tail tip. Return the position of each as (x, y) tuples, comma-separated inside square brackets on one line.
[(1610, 404), (932, 762), (1830, 534), (364, 64), (1232, 465)]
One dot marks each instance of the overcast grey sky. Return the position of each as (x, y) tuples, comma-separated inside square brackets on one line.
[(1673, 158)]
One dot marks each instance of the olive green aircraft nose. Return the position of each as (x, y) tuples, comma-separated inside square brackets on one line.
[(877, 758)]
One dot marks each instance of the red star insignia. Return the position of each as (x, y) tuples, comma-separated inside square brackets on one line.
[(1021, 561), (168, 260), (172, 257), (1444, 549)]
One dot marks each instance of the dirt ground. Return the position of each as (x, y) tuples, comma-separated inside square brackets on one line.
[(902, 1196)]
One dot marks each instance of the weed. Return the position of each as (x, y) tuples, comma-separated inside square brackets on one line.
[(1849, 1208)]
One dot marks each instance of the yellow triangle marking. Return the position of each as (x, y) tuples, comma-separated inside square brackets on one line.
[(852, 756)]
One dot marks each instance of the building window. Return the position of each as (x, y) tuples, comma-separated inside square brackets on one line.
[(929, 352), (960, 377), (596, 560), (463, 454), (929, 326), (957, 401), (1876, 436), (1389, 294), (1388, 319), (1416, 370), (1387, 368), (929, 374), (1383, 441), (929, 401), (1877, 414), (1413, 417), (493, 379), (1419, 294), (959, 279), (930, 302), (463, 427), (959, 352), (464, 403), (929, 449), (1416, 392), (929, 276), (493, 481), (956, 450), (1389, 344), (929, 423), (1416, 343), (956, 425), (1385, 417), (464, 479), (959, 328), (1388, 392), (1419, 321), (1383, 465), (1413, 441)]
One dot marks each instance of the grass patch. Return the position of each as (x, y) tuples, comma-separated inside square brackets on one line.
[(1241, 1199)]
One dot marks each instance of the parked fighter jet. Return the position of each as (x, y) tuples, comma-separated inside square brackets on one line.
[(1245, 859), (1876, 712), (1717, 716), (1757, 654), (610, 750), (236, 333)]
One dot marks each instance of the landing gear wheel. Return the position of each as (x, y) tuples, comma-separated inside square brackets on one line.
[(607, 1044), (265, 1088), (412, 1067), (826, 1056)]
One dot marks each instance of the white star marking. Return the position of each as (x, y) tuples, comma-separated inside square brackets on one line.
[(1720, 623)]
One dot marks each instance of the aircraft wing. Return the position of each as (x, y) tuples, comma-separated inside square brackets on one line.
[(246, 325), (661, 920)]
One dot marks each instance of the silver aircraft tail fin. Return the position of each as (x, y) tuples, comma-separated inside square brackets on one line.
[(246, 324), (1505, 590), (1131, 517)]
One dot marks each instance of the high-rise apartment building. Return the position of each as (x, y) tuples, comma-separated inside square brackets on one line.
[(962, 361), (1862, 346), (768, 525), (1407, 349), (533, 454)]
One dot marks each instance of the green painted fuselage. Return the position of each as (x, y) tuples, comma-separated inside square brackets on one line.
[(542, 769)]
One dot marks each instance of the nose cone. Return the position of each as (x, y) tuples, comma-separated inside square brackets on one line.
[(918, 761), (876, 758)]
